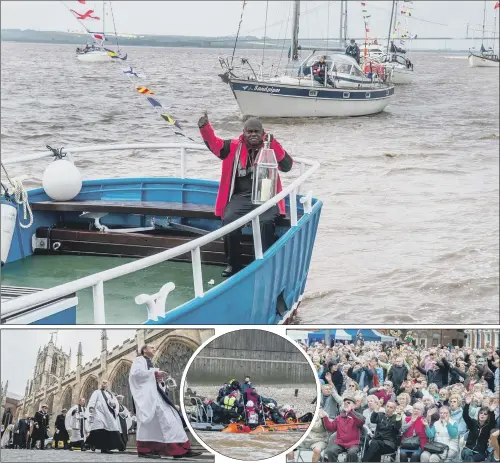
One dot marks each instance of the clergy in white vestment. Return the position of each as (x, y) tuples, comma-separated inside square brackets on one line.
[(104, 420), (160, 429), (78, 425)]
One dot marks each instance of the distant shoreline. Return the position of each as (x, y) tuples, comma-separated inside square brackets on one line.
[(65, 38)]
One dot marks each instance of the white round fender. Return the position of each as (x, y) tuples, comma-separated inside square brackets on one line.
[(9, 216), (62, 180)]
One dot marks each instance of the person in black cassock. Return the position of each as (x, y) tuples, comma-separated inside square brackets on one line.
[(40, 426), (61, 434), (23, 426), (125, 421)]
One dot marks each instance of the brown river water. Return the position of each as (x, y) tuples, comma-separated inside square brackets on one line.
[(262, 445), (409, 228)]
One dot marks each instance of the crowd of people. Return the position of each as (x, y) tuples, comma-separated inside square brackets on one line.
[(71, 428), (105, 423), (240, 402), (405, 402)]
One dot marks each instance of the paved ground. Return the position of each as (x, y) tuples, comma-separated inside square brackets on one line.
[(54, 456)]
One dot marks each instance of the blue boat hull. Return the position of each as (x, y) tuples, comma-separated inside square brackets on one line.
[(264, 292)]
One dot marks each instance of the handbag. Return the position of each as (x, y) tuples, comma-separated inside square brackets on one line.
[(435, 447), (411, 443)]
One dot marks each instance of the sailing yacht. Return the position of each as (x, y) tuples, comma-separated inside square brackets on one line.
[(485, 58), (95, 51), (397, 65), (345, 92)]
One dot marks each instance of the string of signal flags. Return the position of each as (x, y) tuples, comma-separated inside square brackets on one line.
[(135, 76)]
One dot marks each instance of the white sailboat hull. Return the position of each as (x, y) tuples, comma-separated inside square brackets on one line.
[(94, 57), (273, 101), (478, 62), (402, 76)]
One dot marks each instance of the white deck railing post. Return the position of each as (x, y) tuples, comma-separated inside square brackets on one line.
[(98, 299), (293, 208), (183, 162), (302, 170), (306, 200), (257, 239), (197, 276)]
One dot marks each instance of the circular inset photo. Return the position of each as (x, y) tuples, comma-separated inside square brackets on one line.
[(250, 394)]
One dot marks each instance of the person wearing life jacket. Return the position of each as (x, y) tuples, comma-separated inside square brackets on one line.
[(227, 389), (239, 155), (353, 51), (232, 405), (275, 414), (320, 72), (289, 415), (251, 415)]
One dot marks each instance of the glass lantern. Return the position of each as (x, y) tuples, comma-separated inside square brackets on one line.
[(265, 175)]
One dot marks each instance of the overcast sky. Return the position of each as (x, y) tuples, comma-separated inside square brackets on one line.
[(19, 349), (220, 18)]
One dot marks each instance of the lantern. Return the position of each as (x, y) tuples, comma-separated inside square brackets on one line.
[(265, 175)]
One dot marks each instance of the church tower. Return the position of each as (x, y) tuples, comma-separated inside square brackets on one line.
[(104, 353)]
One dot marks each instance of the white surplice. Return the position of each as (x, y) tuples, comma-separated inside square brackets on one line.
[(73, 423), (157, 421), (101, 417)]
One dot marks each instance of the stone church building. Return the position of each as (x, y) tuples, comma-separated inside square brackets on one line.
[(55, 383)]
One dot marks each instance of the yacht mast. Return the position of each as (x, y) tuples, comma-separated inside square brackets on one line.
[(495, 30), (390, 26), (484, 20), (104, 19), (343, 23), (294, 51)]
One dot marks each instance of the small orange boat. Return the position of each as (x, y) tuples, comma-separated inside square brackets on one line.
[(270, 426)]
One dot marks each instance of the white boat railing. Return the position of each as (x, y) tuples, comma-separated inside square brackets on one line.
[(96, 281)]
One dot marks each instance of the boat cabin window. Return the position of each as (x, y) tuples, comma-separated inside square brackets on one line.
[(357, 72), (342, 68)]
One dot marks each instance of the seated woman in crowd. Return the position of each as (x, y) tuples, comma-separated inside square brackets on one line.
[(443, 431), (413, 428)]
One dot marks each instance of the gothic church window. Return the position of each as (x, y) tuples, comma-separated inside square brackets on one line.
[(89, 387), (174, 359), (120, 385), (67, 399)]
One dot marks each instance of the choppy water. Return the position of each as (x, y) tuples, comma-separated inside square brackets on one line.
[(250, 446), (262, 445), (409, 230)]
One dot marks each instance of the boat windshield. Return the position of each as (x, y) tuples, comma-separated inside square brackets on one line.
[(343, 68)]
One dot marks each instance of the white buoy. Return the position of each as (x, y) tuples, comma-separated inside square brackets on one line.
[(62, 180), (9, 215)]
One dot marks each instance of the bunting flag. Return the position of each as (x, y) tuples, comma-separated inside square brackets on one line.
[(144, 91), (112, 54), (366, 17), (86, 15), (133, 75), (131, 71)]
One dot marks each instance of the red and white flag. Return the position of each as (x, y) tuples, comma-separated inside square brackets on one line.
[(98, 36), (82, 2), (497, 5)]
